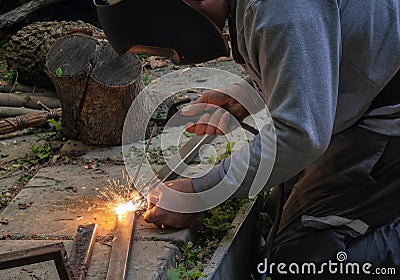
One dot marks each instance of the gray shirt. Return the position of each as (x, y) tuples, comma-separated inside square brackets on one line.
[(319, 64)]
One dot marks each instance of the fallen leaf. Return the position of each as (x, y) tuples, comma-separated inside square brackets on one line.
[(24, 205), (157, 62)]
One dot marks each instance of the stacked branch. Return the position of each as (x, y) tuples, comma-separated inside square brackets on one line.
[(9, 125)]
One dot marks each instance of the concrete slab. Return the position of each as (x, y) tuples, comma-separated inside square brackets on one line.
[(92, 152), (150, 260), (12, 149), (58, 199), (8, 182), (146, 231)]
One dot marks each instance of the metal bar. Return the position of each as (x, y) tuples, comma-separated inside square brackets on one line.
[(85, 240), (153, 131), (186, 155), (50, 252), (121, 247)]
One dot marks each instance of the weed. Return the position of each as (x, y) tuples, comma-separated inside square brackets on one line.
[(25, 178), (59, 72), (227, 153), (57, 124), (191, 264), (188, 134), (40, 154), (11, 76), (58, 135), (4, 200), (146, 80), (4, 44), (194, 257)]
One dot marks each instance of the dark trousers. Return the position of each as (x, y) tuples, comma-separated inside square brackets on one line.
[(358, 179)]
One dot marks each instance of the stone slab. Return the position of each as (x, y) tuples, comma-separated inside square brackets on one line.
[(61, 198), (12, 149), (150, 260), (92, 152), (146, 231)]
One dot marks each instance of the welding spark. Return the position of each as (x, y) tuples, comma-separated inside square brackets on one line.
[(126, 207), (121, 197)]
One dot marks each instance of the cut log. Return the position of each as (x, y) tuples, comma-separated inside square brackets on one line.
[(96, 87), (6, 112), (28, 101), (28, 48)]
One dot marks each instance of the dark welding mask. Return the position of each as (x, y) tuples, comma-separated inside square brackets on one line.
[(169, 28)]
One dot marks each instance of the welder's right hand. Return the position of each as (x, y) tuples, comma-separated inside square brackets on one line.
[(215, 120)]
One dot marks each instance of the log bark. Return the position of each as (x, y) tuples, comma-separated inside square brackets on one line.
[(28, 48), (6, 112), (17, 15), (28, 101), (96, 87)]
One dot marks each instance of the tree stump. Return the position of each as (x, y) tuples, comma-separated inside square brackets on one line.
[(96, 87)]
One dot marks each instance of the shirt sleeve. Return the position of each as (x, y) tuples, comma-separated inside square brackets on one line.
[(294, 51)]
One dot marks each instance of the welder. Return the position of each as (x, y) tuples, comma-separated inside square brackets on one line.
[(328, 71)]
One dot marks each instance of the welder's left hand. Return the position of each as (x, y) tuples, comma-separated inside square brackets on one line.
[(162, 217)]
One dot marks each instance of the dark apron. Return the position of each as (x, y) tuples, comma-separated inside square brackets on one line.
[(347, 200)]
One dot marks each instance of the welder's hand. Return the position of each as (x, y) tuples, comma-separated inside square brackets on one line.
[(162, 217), (215, 120)]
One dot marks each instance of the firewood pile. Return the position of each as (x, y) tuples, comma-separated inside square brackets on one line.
[(64, 68)]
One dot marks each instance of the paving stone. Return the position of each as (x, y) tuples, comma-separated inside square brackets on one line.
[(8, 182), (59, 199), (92, 152), (146, 231), (12, 149), (150, 260)]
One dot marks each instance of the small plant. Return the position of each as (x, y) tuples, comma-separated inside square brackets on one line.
[(227, 153), (4, 44), (11, 76), (215, 225), (57, 124), (191, 263), (146, 80), (4, 200), (188, 134), (40, 154), (25, 178), (59, 72)]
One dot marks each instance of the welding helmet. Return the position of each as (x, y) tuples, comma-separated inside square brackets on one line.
[(170, 28)]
